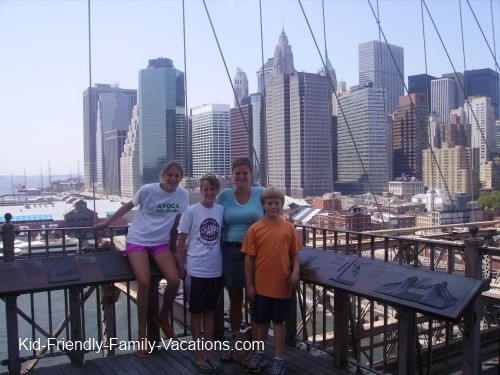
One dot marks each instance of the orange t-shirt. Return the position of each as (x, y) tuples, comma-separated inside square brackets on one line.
[(273, 245)]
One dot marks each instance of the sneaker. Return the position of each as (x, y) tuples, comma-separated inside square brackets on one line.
[(278, 368), (257, 363)]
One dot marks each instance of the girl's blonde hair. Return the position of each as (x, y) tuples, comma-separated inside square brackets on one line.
[(167, 166)]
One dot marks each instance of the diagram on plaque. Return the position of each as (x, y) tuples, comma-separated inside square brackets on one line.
[(423, 291), (351, 272)]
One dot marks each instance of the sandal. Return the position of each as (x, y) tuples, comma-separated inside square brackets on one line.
[(142, 353), (227, 356), (202, 367), (247, 359), (216, 365), (166, 328)]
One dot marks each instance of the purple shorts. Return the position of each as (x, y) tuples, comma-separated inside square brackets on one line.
[(151, 250)]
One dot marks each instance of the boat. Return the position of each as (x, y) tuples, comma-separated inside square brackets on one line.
[(17, 250), (39, 246)]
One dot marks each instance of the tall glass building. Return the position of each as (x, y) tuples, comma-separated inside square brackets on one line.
[(365, 122), (162, 125), (91, 97), (114, 110), (383, 64), (211, 149), (484, 82)]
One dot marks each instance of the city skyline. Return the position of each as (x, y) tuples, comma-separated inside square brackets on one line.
[(46, 70)]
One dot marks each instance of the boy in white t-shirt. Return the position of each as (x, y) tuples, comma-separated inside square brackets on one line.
[(200, 265)]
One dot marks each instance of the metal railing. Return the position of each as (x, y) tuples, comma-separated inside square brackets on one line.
[(372, 328)]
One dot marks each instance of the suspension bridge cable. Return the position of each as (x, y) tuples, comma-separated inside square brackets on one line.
[(186, 110), (493, 54), (493, 34), (469, 105), (386, 107), (341, 109), (329, 77), (465, 90), (413, 106), (494, 165), (230, 81), (91, 118), (427, 91), (263, 98)]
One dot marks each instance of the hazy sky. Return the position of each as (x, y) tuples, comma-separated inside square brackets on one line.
[(44, 60)]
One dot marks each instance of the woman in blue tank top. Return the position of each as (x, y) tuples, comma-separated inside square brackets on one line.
[(242, 208)]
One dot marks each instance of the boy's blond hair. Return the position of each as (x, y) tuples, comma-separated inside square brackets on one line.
[(272, 193), (211, 179)]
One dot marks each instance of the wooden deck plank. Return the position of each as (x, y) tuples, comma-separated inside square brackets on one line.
[(297, 362)]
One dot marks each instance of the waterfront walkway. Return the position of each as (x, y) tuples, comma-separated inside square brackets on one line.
[(297, 362)]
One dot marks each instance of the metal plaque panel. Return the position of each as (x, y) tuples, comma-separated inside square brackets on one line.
[(61, 269), (431, 292)]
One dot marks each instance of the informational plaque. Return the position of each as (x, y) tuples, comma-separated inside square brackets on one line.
[(58, 272), (431, 292)]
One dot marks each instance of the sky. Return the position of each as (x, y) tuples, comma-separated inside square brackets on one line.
[(45, 64)]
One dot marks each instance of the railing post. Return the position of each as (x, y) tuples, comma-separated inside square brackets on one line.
[(341, 306), (291, 323), (110, 295), (75, 304), (8, 237), (153, 308), (407, 341), (219, 318), (472, 336)]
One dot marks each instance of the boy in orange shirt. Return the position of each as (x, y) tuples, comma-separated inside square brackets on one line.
[(271, 246)]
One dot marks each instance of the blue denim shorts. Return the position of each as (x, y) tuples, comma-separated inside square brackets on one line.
[(267, 309), (233, 265)]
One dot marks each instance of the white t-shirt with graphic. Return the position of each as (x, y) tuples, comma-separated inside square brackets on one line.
[(156, 214), (203, 226)]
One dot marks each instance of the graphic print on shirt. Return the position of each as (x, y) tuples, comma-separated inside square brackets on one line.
[(209, 232), (154, 208)]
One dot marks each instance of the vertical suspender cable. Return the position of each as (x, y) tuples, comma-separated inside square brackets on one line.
[(330, 82), (186, 112), (230, 81), (466, 94), (263, 126), (340, 108), (91, 118)]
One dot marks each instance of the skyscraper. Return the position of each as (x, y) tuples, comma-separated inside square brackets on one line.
[(461, 171), (484, 82), (421, 83), (283, 57), (330, 72), (259, 143), (264, 75), (113, 147), (365, 123), (443, 97), (114, 110), (240, 86), (480, 114), (409, 135), (129, 161), (241, 134), (299, 126), (90, 105), (162, 125), (211, 149), (383, 65)]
